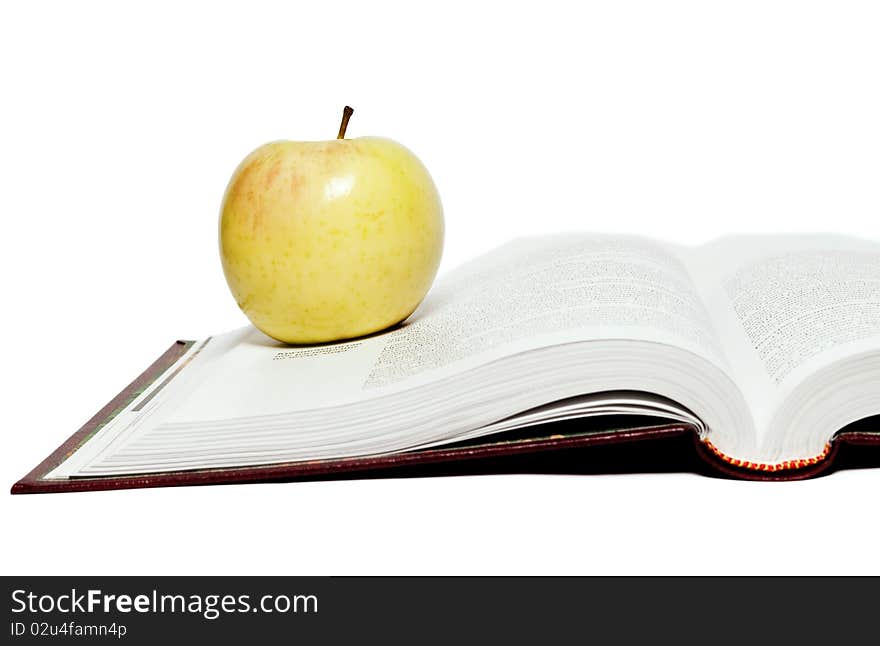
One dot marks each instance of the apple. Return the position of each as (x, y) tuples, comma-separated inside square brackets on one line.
[(328, 240)]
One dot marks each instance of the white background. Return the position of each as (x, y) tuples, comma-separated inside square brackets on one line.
[(120, 126)]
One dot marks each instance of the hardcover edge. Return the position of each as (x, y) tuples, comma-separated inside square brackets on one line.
[(34, 483), (141, 383)]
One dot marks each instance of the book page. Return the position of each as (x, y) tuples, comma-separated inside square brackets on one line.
[(787, 306), (466, 361), (528, 294), (557, 288)]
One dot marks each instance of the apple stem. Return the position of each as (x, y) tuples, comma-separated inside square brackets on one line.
[(346, 115)]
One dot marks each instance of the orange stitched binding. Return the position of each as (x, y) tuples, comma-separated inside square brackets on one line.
[(766, 466)]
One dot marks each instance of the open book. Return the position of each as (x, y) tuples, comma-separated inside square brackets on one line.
[(764, 347)]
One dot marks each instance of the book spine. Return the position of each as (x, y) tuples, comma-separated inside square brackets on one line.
[(770, 467)]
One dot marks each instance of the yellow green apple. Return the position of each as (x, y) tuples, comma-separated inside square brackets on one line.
[(329, 240)]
